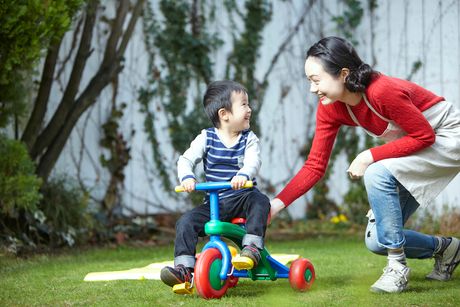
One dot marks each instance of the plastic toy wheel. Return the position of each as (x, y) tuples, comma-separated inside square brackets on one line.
[(207, 280), (301, 274), (232, 281)]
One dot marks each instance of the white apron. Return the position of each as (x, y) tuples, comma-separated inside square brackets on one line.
[(427, 172)]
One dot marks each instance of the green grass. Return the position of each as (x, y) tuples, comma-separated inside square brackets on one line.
[(344, 272)]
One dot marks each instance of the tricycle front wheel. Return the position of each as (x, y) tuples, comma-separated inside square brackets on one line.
[(207, 280)]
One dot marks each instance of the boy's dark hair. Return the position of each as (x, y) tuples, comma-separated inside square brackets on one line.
[(336, 53), (218, 95)]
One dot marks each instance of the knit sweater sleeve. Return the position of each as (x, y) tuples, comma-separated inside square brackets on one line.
[(252, 161), (397, 106), (315, 165), (191, 157)]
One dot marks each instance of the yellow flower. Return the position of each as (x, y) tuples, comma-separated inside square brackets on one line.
[(343, 218), (335, 220)]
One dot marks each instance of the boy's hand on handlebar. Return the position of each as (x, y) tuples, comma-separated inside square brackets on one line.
[(188, 184), (238, 182)]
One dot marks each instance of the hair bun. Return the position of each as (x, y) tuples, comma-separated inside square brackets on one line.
[(359, 79), (335, 54)]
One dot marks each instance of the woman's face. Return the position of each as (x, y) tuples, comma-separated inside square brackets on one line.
[(328, 87)]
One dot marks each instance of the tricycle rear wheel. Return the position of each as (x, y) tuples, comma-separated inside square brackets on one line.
[(301, 274)]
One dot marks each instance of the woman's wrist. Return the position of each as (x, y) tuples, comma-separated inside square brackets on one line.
[(276, 206)]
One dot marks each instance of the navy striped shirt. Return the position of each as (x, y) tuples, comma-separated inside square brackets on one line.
[(220, 162)]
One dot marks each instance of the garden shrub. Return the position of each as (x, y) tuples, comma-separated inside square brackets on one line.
[(19, 193), (445, 222), (67, 219), (18, 183), (32, 216)]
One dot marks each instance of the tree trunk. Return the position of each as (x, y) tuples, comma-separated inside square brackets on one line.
[(50, 142), (41, 102), (68, 98)]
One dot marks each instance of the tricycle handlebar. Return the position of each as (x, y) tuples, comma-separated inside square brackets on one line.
[(211, 186)]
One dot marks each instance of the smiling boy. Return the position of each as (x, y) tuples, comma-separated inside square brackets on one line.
[(230, 152)]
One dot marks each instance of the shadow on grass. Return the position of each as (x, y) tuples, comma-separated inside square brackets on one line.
[(336, 281)]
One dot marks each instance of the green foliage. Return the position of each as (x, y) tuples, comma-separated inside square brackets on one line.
[(28, 218), (347, 142), (445, 222), (351, 18), (66, 217), (242, 61), (19, 186), (415, 68), (356, 203), (179, 47), (118, 157), (185, 58), (113, 141), (27, 28)]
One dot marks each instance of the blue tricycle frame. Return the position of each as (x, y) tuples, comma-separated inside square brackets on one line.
[(214, 272)]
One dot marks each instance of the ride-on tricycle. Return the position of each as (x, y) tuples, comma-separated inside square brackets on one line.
[(214, 272)]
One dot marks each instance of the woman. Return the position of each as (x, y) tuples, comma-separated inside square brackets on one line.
[(421, 155)]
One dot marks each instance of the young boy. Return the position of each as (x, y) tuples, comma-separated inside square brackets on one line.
[(230, 152)]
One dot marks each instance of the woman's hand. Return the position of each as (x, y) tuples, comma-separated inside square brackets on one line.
[(360, 164), (276, 206), (188, 184)]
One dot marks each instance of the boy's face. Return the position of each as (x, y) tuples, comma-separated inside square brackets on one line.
[(241, 112)]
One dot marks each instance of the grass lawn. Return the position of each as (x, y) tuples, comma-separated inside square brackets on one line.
[(344, 272)]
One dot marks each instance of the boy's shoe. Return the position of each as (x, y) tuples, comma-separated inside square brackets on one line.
[(446, 261), (393, 280), (177, 275), (248, 258)]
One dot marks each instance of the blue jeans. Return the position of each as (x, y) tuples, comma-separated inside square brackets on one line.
[(250, 204), (392, 205)]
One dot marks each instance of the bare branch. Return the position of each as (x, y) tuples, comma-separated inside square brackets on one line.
[(72, 47), (288, 39), (130, 28), (116, 31)]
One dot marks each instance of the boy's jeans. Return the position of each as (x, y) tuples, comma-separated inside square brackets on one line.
[(392, 205), (250, 204)]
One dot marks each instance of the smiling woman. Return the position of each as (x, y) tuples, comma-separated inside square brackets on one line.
[(421, 155)]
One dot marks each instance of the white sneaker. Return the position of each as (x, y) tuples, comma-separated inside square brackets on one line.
[(445, 263), (393, 280)]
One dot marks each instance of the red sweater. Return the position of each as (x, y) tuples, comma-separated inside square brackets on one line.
[(398, 100)]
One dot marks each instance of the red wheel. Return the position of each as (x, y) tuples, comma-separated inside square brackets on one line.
[(232, 281), (207, 280), (301, 274)]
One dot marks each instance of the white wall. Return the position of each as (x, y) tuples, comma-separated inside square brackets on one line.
[(402, 32)]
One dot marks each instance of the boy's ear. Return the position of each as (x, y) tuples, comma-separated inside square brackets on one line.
[(223, 114)]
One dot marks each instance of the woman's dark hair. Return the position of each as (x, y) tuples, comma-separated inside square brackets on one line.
[(336, 53), (219, 95)]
